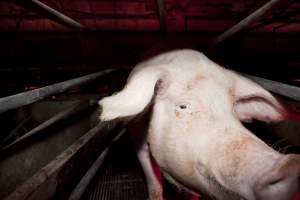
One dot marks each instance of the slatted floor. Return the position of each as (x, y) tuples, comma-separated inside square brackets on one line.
[(121, 177)]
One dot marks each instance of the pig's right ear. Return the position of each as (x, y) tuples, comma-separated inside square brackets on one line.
[(251, 101), (135, 96)]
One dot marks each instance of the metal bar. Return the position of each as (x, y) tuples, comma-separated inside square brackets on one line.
[(57, 16), (25, 98), (283, 89), (162, 16), (256, 15), (79, 107), (60, 171), (14, 132), (83, 184)]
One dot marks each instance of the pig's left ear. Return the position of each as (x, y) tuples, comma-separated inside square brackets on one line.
[(135, 96), (251, 101)]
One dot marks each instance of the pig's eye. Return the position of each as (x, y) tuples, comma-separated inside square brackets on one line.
[(182, 106)]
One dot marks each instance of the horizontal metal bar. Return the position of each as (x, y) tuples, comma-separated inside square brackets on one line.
[(61, 116), (283, 89), (25, 98)]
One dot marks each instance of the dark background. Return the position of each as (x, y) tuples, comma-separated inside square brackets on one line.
[(36, 49)]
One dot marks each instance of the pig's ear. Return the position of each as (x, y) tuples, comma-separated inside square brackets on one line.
[(135, 96), (251, 101)]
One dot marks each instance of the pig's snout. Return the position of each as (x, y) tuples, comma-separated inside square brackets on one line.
[(281, 182)]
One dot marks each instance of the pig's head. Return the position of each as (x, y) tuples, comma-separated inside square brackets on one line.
[(195, 133)]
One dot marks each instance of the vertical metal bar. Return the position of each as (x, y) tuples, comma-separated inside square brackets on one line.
[(162, 16)]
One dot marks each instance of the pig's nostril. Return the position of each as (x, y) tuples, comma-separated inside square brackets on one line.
[(279, 189), (281, 182)]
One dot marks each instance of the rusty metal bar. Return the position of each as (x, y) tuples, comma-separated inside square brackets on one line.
[(83, 184), (283, 89), (54, 14), (256, 15), (77, 108), (162, 16), (25, 98)]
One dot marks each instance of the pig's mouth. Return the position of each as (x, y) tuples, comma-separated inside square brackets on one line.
[(215, 188), (218, 191), (282, 181), (223, 192)]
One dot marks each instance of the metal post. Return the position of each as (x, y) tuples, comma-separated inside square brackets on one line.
[(25, 98), (162, 16), (259, 13)]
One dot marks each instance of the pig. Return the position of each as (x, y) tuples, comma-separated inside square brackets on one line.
[(187, 112)]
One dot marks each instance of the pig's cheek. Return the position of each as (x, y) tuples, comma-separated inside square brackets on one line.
[(182, 115), (178, 114)]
